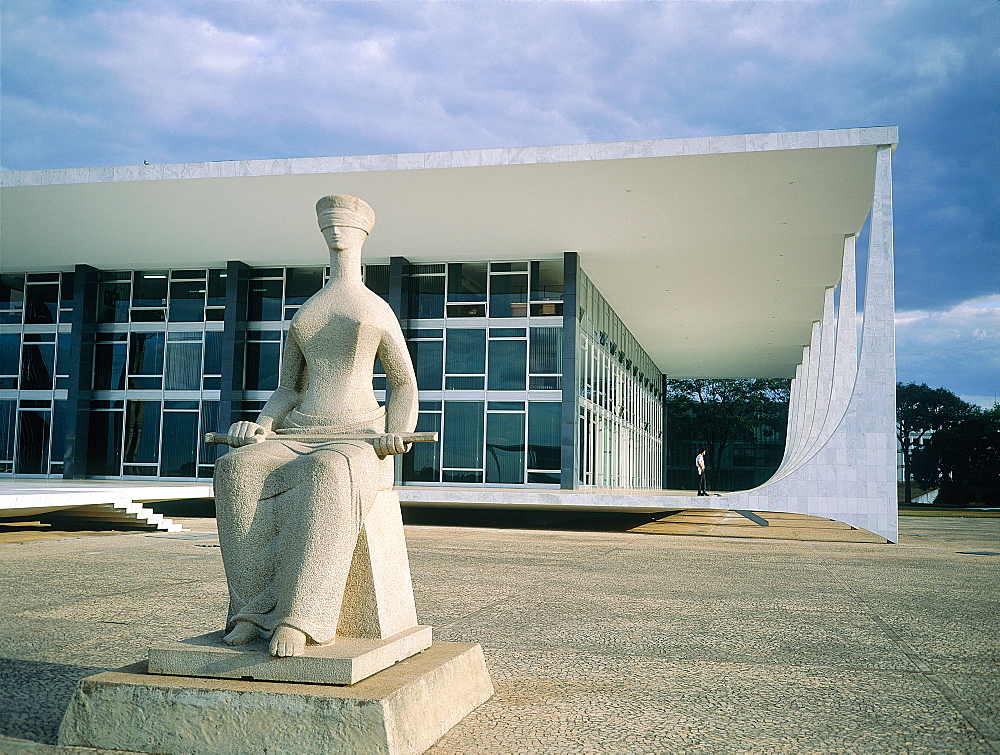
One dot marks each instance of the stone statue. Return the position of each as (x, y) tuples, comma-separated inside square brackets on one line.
[(290, 508)]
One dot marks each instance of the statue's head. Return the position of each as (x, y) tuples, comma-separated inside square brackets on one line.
[(344, 211)]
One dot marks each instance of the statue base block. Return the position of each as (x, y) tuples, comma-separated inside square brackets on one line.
[(404, 709), (346, 661)]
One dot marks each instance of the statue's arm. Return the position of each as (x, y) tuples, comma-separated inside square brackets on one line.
[(291, 384), (401, 411)]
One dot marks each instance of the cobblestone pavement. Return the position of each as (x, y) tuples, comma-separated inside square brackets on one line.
[(597, 642)]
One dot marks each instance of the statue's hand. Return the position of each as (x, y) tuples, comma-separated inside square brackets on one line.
[(245, 433), (390, 445)]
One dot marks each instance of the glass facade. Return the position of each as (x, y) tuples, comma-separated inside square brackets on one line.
[(620, 400), (160, 361)]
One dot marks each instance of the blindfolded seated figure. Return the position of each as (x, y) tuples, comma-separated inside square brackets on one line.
[(289, 510)]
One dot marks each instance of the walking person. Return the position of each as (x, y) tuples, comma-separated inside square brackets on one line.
[(699, 464)]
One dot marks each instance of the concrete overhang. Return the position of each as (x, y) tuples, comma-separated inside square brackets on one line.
[(715, 252)]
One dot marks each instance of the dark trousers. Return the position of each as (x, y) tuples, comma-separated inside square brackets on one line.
[(702, 482)]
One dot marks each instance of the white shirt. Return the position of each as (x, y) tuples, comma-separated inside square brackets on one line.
[(699, 462)]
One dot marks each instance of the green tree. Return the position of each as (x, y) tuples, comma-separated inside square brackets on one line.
[(719, 413), (963, 459), (920, 410)]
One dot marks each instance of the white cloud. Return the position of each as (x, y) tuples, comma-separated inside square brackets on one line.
[(957, 349)]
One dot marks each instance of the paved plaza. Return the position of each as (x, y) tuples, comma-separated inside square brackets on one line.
[(598, 642)]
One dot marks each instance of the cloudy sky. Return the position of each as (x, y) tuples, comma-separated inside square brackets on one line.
[(105, 82)]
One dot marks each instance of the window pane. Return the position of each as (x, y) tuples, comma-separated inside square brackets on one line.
[(32, 442), (544, 425), (178, 456), (37, 366), (427, 296), (104, 443), (261, 366), (508, 295), (377, 279), (507, 365), (11, 298), (302, 282), (547, 280), (427, 356), (10, 353), (467, 281), (60, 426), (211, 422), (41, 303), (64, 345), (142, 432), (422, 463), (187, 301), (66, 291), (264, 301), (149, 288), (8, 413), (109, 367), (505, 448), (183, 366), (145, 355), (466, 351), (546, 347), (213, 352), (216, 288), (113, 301), (463, 434)]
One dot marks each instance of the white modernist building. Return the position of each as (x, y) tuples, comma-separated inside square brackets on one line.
[(545, 292)]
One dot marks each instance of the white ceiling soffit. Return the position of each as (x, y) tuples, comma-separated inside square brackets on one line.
[(716, 262)]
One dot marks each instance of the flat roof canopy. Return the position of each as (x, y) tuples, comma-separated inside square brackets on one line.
[(715, 252)]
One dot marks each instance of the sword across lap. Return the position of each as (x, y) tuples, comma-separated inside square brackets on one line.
[(224, 439)]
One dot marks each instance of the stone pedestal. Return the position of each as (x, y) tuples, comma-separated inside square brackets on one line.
[(346, 661), (404, 709)]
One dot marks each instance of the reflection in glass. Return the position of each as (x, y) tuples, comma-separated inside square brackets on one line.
[(544, 424), (183, 366), (145, 355), (11, 298), (187, 300), (149, 288), (105, 443), (41, 303), (109, 366), (142, 432), (264, 300), (211, 422), (8, 413), (427, 296), (32, 442), (467, 281), (60, 428), (547, 280), (302, 282), (261, 371), (505, 448), (216, 288), (180, 444), (113, 299), (508, 296), (37, 363), (507, 365), (10, 353), (427, 357), (66, 291), (462, 439), (422, 463), (466, 353)]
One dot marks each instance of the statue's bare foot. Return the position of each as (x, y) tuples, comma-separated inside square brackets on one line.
[(287, 641), (242, 633)]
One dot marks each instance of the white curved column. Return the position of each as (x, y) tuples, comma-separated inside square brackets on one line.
[(851, 476)]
